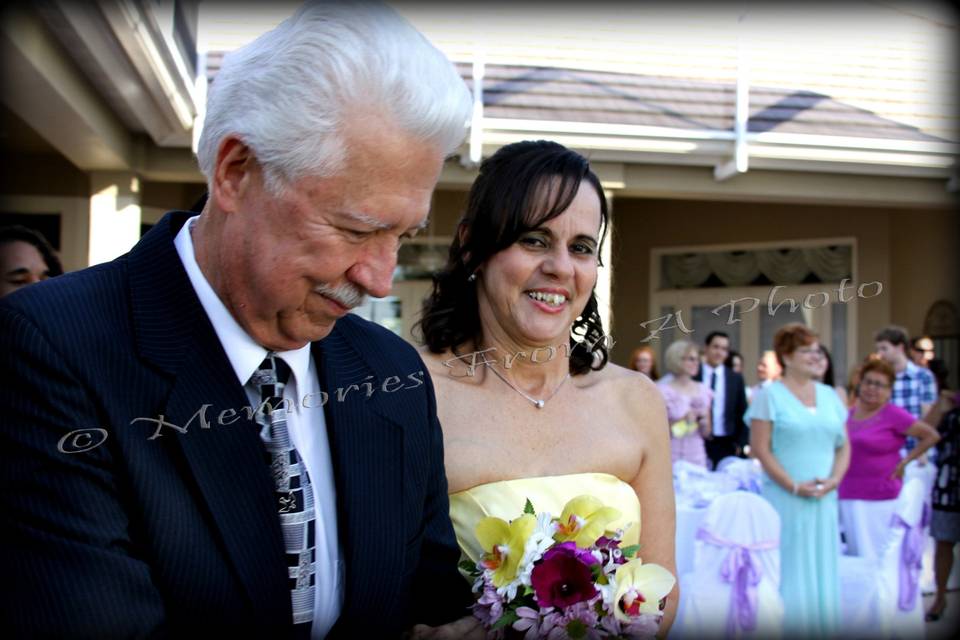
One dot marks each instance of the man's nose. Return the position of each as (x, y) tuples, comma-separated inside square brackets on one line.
[(374, 272)]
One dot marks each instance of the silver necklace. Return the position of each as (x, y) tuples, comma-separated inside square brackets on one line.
[(539, 404)]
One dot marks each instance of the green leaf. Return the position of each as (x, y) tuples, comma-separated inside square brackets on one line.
[(629, 552), (576, 629), (469, 567), (508, 618), (528, 508)]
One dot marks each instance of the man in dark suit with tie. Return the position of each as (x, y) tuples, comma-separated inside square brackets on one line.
[(730, 434), (197, 439)]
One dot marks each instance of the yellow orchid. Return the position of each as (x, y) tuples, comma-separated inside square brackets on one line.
[(584, 519), (503, 545), (640, 587)]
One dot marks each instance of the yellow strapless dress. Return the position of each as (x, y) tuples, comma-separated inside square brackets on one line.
[(505, 499)]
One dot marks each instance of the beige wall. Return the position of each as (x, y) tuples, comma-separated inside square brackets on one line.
[(170, 195), (445, 211), (910, 252), (924, 264)]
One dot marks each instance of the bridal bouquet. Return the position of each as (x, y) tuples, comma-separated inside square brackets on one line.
[(543, 576)]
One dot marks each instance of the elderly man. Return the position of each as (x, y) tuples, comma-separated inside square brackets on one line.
[(198, 440)]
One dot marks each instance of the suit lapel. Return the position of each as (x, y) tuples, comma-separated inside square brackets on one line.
[(220, 444), (366, 447)]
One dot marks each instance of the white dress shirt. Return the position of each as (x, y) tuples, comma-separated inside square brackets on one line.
[(307, 428), (719, 397)]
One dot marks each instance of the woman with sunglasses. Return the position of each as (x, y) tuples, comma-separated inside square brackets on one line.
[(877, 430)]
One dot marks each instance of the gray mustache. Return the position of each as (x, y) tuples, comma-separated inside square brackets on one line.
[(346, 294)]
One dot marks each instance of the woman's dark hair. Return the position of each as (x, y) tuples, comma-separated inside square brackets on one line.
[(518, 189), (828, 374), (731, 356), (19, 233)]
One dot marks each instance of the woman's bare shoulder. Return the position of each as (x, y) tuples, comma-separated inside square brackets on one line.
[(637, 394)]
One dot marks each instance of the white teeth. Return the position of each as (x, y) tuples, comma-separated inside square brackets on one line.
[(554, 299)]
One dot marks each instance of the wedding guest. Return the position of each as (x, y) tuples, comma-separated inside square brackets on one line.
[(25, 257), (825, 375), (729, 435), (797, 433), (877, 430), (915, 388), (768, 370), (561, 421), (735, 362), (644, 360), (688, 404), (941, 373), (945, 524), (322, 143), (921, 351)]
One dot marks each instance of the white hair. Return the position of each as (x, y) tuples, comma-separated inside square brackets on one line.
[(287, 94), (676, 352)]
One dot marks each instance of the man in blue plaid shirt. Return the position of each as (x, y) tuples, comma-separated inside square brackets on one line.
[(915, 388)]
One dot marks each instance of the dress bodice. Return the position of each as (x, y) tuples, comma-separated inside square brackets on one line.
[(505, 499), (679, 404)]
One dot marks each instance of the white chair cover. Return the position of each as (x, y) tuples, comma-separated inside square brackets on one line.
[(747, 472), (866, 526), (881, 598), (726, 462), (734, 589)]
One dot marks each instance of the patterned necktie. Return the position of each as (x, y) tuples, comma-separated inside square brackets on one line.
[(294, 494)]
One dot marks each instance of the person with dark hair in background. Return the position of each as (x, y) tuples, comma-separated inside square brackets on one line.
[(729, 433), (941, 373), (25, 258), (945, 523), (734, 362), (152, 485), (825, 375), (530, 406)]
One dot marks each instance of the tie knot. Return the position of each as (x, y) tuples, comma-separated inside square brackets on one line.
[(271, 371)]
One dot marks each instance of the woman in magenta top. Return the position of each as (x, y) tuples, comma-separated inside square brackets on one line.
[(877, 430)]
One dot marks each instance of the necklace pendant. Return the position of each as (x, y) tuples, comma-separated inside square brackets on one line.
[(539, 404)]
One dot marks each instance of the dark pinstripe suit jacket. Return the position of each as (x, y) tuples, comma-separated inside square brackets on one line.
[(178, 535)]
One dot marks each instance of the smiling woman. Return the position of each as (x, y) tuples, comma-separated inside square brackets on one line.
[(520, 280)]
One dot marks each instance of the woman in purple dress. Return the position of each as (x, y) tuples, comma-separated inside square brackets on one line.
[(688, 403)]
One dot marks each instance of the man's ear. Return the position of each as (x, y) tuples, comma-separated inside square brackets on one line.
[(232, 173)]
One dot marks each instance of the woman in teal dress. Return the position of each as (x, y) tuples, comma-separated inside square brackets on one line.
[(797, 433), (529, 404)]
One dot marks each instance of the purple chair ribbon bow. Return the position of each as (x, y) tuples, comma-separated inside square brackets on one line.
[(740, 570), (911, 554)]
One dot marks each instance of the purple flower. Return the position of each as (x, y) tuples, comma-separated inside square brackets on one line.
[(564, 577), (489, 606), (610, 547)]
